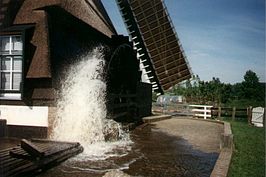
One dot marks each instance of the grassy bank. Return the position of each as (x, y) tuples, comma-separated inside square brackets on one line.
[(249, 155)]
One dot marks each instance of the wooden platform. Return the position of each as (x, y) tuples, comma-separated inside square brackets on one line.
[(34, 156)]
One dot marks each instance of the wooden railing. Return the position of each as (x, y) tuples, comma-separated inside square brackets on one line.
[(231, 112), (204, 111)]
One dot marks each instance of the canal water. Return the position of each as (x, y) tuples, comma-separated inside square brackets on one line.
[(148, 151), (151, 153)]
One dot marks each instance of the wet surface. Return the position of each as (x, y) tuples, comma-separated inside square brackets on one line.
[(154, 152), (165, 155), (6, 143)]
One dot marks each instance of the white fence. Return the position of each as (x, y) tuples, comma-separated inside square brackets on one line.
[(201, 111)]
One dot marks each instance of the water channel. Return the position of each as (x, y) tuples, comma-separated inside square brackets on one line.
[(147, 151), (152, 152)]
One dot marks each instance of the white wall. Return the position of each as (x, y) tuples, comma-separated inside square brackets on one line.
[(25, 115)]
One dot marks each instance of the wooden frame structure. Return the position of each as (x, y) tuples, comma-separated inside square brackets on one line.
[(159, 49)]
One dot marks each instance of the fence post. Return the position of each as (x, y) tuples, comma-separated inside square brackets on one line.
[(219, 112), (205, 112), (249, 113), (234, 113)]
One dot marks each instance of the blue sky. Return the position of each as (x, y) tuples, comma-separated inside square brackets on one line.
[(221, 38)]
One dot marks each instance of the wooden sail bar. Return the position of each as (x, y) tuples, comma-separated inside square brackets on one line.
[(151, 29)]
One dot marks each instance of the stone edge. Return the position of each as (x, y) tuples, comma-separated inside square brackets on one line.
[(221, 167), (223, 162), (157, 118)]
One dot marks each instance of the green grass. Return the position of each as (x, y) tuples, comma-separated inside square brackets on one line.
[(249, 155)]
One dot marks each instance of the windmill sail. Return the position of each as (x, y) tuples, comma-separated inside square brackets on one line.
[(159, 49)]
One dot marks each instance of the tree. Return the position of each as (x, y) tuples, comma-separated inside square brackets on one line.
[(251, 78), (215, 92), (226, 93), (251, 86)]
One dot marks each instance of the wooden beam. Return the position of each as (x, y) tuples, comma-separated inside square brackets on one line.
[(31, 149)]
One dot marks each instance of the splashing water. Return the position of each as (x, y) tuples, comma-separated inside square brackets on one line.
[(82, 111)]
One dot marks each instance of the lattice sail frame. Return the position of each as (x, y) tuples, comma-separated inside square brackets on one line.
[(158, 47)]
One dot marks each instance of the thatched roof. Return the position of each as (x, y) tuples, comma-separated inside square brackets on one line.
[(25, 12), (91, 12)]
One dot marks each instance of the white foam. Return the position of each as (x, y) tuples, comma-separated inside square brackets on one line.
[(82, 111)]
